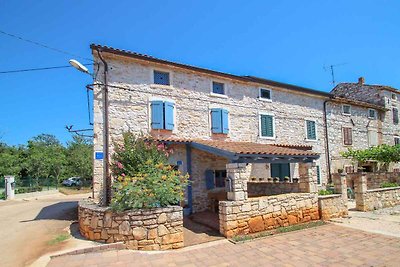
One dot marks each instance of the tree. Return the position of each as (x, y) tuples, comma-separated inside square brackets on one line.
[(384, 154), (45, 157), (79, 154), (10, 163)]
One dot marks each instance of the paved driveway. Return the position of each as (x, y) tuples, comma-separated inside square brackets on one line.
[(28, 225), (329, 245)]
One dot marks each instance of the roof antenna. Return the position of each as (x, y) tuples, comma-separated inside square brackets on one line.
[(331, 69)]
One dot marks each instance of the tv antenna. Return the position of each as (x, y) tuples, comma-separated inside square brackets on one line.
[(331, 69)]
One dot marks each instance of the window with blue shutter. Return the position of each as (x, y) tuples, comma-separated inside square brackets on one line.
[(267, 125), (218, 88), (162, 115), (209, 179), (395, 116), (169, 115), (318, 175), (219, 121), (311, 130), (161, 77)]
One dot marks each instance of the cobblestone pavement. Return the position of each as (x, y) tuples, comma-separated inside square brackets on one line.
[(328, 245)]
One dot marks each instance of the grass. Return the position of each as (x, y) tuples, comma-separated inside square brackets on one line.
[(388, 184), (284, 229), (325, 192), (74, 190), (58, 239)]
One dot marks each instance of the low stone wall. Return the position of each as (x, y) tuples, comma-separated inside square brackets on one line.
[(144, 229), (374, 179), (264, 213), (332, 206), (256, 189), (378, 198)]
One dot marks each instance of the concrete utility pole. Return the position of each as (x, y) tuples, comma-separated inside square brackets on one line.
[(10, 187)]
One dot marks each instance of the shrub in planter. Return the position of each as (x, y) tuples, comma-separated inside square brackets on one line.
[(142, 176), (270, 179)]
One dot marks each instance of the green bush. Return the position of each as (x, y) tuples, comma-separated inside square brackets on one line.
[(22, 190), (325, 192), (388, 184), (142, 176), (3, 195)]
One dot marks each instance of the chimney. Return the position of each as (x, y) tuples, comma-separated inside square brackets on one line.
[(361, 80)]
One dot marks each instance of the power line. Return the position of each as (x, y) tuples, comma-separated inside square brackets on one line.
[(43, 45), (38, 69)]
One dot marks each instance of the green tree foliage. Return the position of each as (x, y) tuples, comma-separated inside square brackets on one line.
[(384, 154), (143, 177), (79, 157), (45, 157)]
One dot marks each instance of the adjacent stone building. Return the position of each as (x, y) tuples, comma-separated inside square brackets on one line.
[(360, 116)]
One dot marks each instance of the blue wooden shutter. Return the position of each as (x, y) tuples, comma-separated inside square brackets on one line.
[(169, 115), (216, 123), (318, 175), (209, 179), (225, 122), (157, 115), (311, 134), (267, 126)]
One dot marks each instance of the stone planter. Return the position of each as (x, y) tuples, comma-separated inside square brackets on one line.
[(142, 229)]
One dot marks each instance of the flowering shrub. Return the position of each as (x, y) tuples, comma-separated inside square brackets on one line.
[(142, 176)]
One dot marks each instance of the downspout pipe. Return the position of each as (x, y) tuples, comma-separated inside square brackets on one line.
[(107, 190), (328, 157)]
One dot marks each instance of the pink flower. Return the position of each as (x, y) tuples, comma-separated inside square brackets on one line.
[(123, 175), (160, 146), (119, 165)]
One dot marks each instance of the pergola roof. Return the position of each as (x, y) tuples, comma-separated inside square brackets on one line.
[(249, 152)]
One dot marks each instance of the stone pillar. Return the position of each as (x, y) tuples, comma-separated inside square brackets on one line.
[(308, 178), (340, 183), (360, 188), (238, 174)]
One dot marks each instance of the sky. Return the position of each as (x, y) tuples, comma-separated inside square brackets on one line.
[(288, 41)]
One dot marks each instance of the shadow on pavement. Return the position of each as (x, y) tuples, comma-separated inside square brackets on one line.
[(65, 211)]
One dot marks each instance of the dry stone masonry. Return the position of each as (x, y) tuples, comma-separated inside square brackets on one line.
[(264, 213), (144, 229)]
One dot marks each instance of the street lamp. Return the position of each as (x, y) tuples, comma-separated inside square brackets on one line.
[(79, 66)]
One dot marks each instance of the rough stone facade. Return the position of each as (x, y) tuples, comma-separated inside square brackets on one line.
[(255, 189), (152, 229), (268, 212), (374, 179), (332, 206), (131, 89), (380, 96)]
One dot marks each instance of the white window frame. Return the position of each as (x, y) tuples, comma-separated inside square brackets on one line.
[(375, 112), (346, 114), (225, 95), (369, 137), (262, 98), (316, 130), (151, 99), (273, 137), (152, 70)]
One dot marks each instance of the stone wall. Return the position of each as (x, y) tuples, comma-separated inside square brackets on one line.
[(332, 206), (256, 189), (146, 229), (269, 212), (374, 179), (380, 198)]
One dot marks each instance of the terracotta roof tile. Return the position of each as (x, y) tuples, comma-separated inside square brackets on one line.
[(248, 147)]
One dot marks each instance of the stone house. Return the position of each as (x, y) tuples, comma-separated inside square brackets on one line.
[(361, 116), (215, 120)]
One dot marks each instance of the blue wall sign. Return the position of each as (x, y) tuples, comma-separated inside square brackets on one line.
[(179, 162), (99, 155)]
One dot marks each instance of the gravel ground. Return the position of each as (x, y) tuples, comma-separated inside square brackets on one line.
[(384, 221)]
